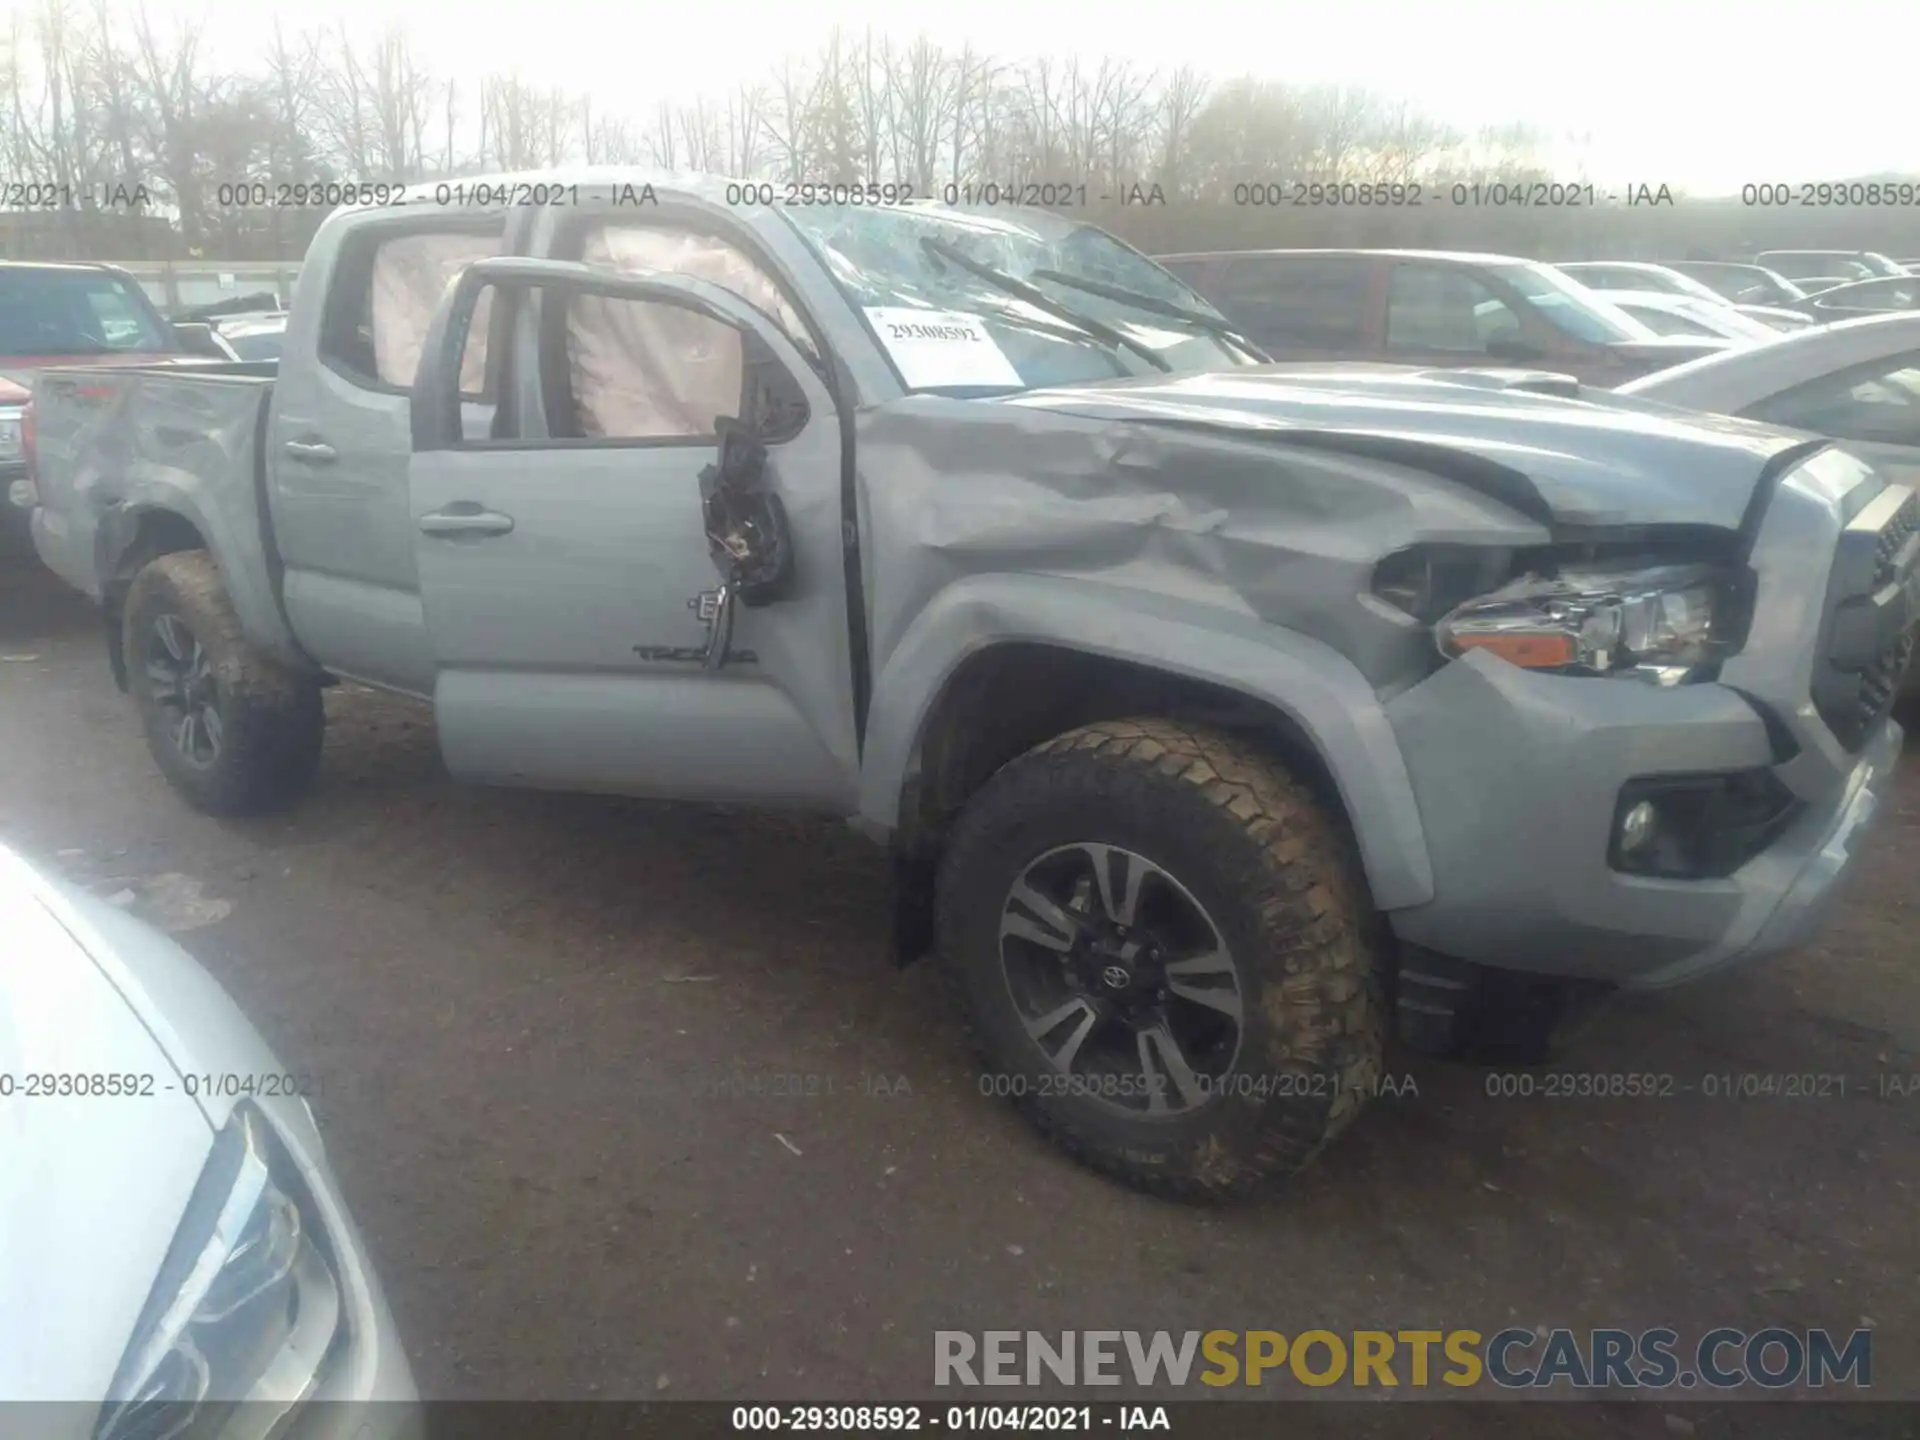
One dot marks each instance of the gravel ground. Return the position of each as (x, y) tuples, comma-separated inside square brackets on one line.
[(513, 1001)]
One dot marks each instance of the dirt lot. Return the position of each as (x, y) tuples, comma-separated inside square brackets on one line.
[(511, 999)]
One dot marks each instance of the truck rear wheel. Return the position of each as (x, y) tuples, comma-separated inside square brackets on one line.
[(235, 732), (1165, 953)]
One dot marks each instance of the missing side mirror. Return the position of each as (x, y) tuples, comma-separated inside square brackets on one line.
[(747, 532)]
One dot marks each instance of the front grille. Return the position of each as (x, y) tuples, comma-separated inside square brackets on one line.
[(1894, 534), (1870, 624)]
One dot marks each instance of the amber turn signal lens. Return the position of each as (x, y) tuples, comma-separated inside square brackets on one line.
[(1531, 650)]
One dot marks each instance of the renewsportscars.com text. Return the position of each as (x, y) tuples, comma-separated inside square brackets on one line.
[(1774, 1358)]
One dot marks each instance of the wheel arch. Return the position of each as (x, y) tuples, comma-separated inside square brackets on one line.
[(994, 667), (130, 537)]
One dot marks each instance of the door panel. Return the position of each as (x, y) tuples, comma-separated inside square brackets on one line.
[(570, 647), (337, 451)]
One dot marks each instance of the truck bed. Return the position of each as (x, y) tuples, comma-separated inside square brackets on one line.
[(112, 440)]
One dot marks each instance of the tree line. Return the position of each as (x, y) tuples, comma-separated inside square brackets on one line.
[(122, 141)]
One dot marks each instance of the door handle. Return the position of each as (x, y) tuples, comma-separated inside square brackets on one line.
[(314, 452), (463, 517)]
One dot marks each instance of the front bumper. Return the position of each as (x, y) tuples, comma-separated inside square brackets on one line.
[(1518, 776)]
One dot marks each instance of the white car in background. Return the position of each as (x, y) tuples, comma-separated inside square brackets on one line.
[(1863, 297), (170, 1237), (1642, 277), (1684, 315), (1817, 270), (1740, 283)]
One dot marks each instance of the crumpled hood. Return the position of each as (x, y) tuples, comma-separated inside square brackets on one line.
[(1596, 460)]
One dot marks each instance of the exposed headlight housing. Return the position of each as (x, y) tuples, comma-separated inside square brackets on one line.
[(246, 1306), (1661, 623)]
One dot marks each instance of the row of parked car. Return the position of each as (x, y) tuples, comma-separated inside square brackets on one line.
[(1238, 655), (1740, 338)]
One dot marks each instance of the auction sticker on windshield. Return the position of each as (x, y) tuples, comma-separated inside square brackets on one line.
[(934, 348)]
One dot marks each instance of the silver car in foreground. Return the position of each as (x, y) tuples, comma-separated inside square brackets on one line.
[(170, 1237)]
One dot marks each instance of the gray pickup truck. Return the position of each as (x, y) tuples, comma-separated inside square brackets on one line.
[(1214, 712)]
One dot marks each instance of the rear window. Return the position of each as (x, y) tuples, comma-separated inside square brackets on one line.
[(382, 298), (76, 312), (1290, 302)]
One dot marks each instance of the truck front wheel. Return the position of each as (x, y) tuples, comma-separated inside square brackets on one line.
[(1164, 949), (235, 732)]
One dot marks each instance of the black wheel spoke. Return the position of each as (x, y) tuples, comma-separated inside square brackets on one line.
[(1119, 875), (1045, 923), (180, 670), (215, 731), (1078, 1010), (171, 634), (1210, 969), (1165, 1067)]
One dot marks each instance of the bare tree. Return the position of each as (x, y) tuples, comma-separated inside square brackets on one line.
[(921, 82), (789, 119), (87, 97), (173, 92), (746, 131), (1178, 107)]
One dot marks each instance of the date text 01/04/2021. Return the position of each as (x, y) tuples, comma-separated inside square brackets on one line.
[(771, 1085), (1720, 1085), (104, 1085), (1143, 1085), (901, 1419)]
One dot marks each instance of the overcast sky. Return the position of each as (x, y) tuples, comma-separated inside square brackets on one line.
[(1708, 96)]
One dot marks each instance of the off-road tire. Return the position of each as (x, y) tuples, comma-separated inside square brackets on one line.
[(272, 717), (1279, 876)]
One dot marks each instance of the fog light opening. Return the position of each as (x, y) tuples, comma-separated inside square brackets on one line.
[(1638, 827)]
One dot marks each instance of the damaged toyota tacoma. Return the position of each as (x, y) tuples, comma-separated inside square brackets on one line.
[(1218, 715)]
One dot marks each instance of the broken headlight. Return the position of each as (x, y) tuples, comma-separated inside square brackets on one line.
[(246, 1306), (1661, 623)]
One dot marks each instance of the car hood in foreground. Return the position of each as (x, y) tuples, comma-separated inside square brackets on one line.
[(91, 1187), (1594, 460)]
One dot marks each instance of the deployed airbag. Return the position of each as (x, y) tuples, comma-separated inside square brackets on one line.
[(641, 369), (410, 274)]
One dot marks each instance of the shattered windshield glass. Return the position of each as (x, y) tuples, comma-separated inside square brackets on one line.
[(951, 329)]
